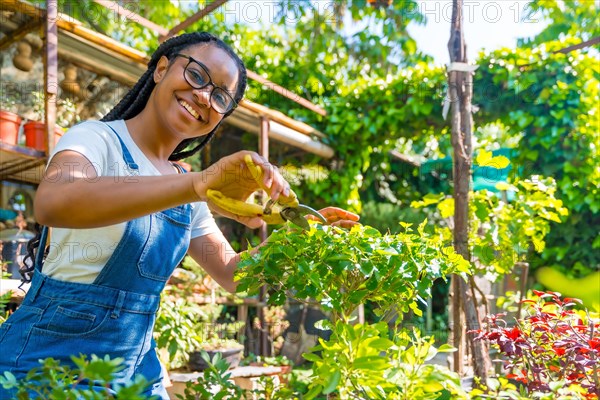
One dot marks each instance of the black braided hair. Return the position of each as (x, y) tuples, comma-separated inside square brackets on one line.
[(28, 267), (135, 100)]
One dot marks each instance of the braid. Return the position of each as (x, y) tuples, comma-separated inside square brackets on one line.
[(137, 98), (28, 267), (180, 154), (131, 104)]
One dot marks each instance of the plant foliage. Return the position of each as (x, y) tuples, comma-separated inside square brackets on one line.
[(503, 232), (88, 379), (344, 268), (554, 350)]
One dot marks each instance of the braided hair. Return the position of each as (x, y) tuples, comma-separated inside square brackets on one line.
[(135, 100)]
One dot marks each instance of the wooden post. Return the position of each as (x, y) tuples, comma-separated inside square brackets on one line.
[(263, 150), (460, 92), (51, 71)]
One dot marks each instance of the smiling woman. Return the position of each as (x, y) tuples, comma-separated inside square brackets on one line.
[(197, 76), (123, 215)]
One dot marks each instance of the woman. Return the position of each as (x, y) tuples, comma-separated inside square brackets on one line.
[(124, 215)]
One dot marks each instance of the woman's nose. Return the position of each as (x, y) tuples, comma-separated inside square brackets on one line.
[(202, 96)]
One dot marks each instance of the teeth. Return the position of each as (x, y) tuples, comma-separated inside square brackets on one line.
[(189, 109)]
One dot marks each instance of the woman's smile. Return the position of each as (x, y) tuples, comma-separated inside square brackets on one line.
[(190, 109)]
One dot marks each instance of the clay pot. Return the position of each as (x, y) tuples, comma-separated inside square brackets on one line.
[(9, 127), (70, 84), (35, 41), (35, 135), (22, 60)]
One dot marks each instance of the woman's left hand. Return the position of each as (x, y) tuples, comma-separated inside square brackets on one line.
[(338, 217)]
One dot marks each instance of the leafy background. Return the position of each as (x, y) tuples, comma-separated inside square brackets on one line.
[(383, 95)]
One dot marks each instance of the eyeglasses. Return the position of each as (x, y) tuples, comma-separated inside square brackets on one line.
[(197, 76)]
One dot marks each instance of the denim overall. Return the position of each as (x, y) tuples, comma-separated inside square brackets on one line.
[(114, 315)]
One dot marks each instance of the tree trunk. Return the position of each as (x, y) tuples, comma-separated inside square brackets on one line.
[(460, 91)]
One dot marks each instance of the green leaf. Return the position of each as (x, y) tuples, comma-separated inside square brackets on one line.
[(446, 207), (381, 344), (311, 357), (428, 200), (485, 159), (432, 387), (313, 392), (332, 382), (415, 308), (324, 325), (290, 252), (372, 363), (446, 348), (502, 186)]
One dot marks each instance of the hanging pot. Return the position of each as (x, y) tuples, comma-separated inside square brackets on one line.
[(14, 249), (22, 59)]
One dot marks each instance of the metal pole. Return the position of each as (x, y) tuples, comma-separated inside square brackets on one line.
[(263, 150), (51, 71)]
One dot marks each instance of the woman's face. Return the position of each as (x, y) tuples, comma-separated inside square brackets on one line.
[(185, 111)]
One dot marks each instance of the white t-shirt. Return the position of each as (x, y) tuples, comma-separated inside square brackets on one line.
[(78, 255)]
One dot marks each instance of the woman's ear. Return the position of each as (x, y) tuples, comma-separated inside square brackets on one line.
[(161, 69)]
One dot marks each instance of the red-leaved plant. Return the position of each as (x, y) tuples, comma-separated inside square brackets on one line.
[(554, 347)]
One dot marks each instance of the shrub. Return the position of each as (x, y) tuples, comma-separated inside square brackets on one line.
[(553, 350), (89, 379)]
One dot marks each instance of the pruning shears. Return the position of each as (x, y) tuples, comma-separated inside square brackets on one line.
[(274, 212)]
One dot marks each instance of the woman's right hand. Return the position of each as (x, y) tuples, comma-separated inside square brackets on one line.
[(231, 176)]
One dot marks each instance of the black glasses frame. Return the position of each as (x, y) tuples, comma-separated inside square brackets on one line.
[(210, 82)]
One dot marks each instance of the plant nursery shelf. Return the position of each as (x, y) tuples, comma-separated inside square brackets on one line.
[(247, 378), (21, 163)]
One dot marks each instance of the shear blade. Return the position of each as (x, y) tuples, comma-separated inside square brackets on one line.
[(294, 216)]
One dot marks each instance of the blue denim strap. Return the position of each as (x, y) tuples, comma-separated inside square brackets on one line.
[(39, 255), (179, 168), (126, 154)]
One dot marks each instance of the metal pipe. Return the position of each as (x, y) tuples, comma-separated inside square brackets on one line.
[(285, 135), (286, 93), (263, 150), (51, 72)]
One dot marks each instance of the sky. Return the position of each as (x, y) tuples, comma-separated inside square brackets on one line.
[(488, 24)]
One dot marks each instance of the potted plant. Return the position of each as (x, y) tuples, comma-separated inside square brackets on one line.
[(35, 128), (177, 330), (10, 121), (184, 321), (230, 350)]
